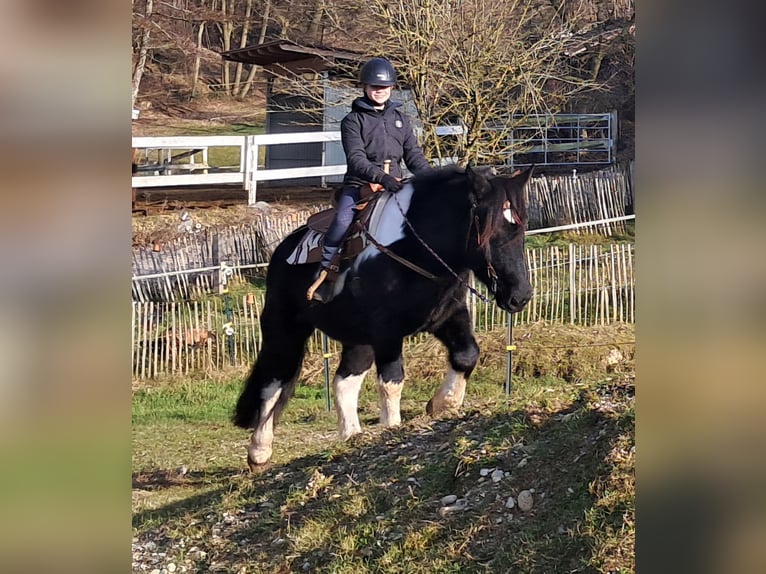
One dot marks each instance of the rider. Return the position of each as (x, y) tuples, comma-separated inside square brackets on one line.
[(376, 134)]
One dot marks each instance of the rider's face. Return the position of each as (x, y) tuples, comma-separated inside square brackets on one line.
[(378, 94)]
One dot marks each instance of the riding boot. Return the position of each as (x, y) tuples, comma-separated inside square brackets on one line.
[(324, 281), (323, 286)]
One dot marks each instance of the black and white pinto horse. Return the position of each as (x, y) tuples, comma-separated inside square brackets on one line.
[(443, 226)]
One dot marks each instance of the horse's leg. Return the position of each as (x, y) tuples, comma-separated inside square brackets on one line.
[(388, 362), (355, 361), (272, 378), (456, 334)]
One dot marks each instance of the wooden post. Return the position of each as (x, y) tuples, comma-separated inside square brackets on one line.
[(326, 356), (223, 277), (509, 347), (133, 337), (572, 309), (613, 268), (251, 169)]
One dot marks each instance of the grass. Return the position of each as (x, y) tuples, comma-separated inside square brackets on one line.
[(565, 238), (218, 156), (371, 504)]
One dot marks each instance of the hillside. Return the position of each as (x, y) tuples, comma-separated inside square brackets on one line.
[(541, 483)]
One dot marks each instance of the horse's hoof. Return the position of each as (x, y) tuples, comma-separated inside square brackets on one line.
[(258, 467), (349, 433), (258, 458)]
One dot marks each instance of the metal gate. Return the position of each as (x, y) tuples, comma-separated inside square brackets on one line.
[(562, 139)]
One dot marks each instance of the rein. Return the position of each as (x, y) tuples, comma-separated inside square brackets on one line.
[(432, 252), (383, 249), (490, 269)]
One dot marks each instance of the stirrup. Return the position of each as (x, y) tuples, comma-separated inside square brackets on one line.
[(315, 285), (324, 293)]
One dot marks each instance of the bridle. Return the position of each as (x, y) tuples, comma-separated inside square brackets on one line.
[(511, 216), (474, 223)]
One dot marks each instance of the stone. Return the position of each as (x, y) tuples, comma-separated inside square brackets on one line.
[(449, 499), (525, 501), (460, 505)]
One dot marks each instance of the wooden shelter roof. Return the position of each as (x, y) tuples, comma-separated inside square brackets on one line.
[(288, 53)]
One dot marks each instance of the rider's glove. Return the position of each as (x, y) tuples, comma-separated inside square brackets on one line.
[(391, 183)]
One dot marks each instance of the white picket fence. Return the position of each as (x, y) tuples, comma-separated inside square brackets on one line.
[(250, 170), (183, 160)]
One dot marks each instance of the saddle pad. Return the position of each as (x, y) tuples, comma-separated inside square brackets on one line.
[(309, 250)]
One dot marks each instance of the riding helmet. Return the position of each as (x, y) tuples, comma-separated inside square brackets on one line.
[(378, 72)]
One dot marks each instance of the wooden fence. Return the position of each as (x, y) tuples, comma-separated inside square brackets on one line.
[(586, 285), (564, 200), (190, 264), (579, 284)]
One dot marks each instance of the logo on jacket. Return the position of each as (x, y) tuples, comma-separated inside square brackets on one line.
[(398, 123)]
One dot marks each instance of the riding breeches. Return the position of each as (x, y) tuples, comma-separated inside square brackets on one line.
[(344, 215)]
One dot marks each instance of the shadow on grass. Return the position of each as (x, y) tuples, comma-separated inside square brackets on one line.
[(158, 480), (373, 503)]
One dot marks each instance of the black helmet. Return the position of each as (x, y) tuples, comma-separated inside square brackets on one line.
[(378, 72)]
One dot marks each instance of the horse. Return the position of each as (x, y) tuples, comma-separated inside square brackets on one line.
[(411, 278)]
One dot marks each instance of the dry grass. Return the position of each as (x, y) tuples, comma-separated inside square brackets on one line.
[(371, 504), (163, 225)]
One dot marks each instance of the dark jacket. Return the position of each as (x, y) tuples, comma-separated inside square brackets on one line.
[(370, 136)]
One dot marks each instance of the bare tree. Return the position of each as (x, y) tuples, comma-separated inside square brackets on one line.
[(142, 49), (481, 64), (477, 63), (198, 54), (235, 26), (242, 88), (226, 27)]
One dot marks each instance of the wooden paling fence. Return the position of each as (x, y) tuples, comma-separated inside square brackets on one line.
[(585, 285), (564, 200), (578, 284), (189, 265)]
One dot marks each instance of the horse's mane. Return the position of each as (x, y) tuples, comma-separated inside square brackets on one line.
[(490, 214), (489, 209)]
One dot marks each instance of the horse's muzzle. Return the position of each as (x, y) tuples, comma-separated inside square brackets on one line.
[(516, 304), (516, 301)]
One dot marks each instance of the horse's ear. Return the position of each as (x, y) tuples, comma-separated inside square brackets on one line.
[(480, 186), (522, 177)]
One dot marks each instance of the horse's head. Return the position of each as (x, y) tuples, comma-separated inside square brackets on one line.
[(497, 236)]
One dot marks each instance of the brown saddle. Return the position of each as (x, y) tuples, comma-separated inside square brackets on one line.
[(355, 240)]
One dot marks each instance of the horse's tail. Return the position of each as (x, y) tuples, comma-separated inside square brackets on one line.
[(285, 331), (247, 413), (260, 388)]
